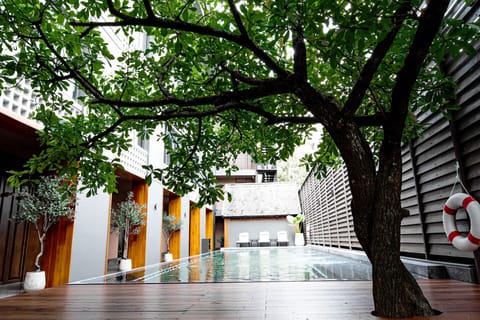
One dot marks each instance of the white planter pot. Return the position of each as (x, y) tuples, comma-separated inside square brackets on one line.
[(34, 281), (125, 265), (299, 240), (168, 257)]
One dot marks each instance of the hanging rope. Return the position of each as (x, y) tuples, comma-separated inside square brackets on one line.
[(458, 180)]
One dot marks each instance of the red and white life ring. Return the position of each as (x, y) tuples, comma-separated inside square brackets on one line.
[(456, 201)]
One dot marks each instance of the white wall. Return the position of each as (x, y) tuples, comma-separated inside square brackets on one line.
[(155, 202), (90, 236), (203, 221), (154, 223), (185, 231), (255, 225)]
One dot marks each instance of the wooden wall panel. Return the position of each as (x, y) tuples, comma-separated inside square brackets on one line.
[(209, 225), (194, 231), (225, 233), (174, 209), (58, 252), (138, 242)]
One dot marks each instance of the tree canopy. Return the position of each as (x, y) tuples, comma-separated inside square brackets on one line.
[(220, 76), (249, 77)]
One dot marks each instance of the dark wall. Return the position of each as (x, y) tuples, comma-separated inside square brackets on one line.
[(18, 244)]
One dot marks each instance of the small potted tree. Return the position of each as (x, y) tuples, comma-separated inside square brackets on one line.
[(221, 241), (52, 199), (169, 226), (296, 221), (127, 218)]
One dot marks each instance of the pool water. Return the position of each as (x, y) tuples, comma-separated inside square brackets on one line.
[(248, 264)]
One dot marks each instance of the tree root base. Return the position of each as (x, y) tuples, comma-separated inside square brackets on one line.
[(436, 313)]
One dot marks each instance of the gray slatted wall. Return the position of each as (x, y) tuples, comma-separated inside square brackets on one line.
[(326, 205), (429, 173)]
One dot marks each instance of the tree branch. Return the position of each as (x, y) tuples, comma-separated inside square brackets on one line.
[(195, 146), (75, 74), (292, 119), (248, 80), (166, 115), (268, 88), (161, 76), (192, 113), (300, 54), (370, 68), (238, 20), (242, 40), (115, 12), (374, 120), (148, 8), (429, 25)]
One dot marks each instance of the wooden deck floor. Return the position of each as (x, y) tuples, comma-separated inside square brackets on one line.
[(336, 300)]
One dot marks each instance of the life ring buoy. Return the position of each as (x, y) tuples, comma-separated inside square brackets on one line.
[(456, 201)]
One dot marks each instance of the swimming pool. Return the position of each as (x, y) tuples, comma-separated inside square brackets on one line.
[(248, 264)]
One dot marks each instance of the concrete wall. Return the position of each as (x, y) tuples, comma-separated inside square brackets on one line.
[(154, 223), (203, 220), (90, 236), (185, 231), (255, 225)]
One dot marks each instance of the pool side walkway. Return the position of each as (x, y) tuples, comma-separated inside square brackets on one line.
[(337, 300)]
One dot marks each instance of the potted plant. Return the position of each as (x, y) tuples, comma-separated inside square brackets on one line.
[(296, 221), (169, 226), (127, 218), (221, 241), (52, 199)]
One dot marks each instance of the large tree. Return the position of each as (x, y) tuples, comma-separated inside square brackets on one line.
[(250, 77)]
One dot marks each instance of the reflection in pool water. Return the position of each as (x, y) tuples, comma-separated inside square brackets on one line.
[(248, 264)]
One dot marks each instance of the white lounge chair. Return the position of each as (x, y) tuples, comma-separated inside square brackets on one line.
[(264, 239), (243, 240), (282, 238)]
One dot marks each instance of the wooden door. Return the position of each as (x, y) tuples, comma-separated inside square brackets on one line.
[(17, 245), (194, 231), (174, 209), (138, 242), (209, 227)]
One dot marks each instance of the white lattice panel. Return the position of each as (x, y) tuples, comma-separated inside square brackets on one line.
[(133, 160)]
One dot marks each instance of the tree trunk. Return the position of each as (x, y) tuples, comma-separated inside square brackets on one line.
[(40, 254), (395, 291), (125, 244), (376, 208), (168, 241), (126, 237)]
